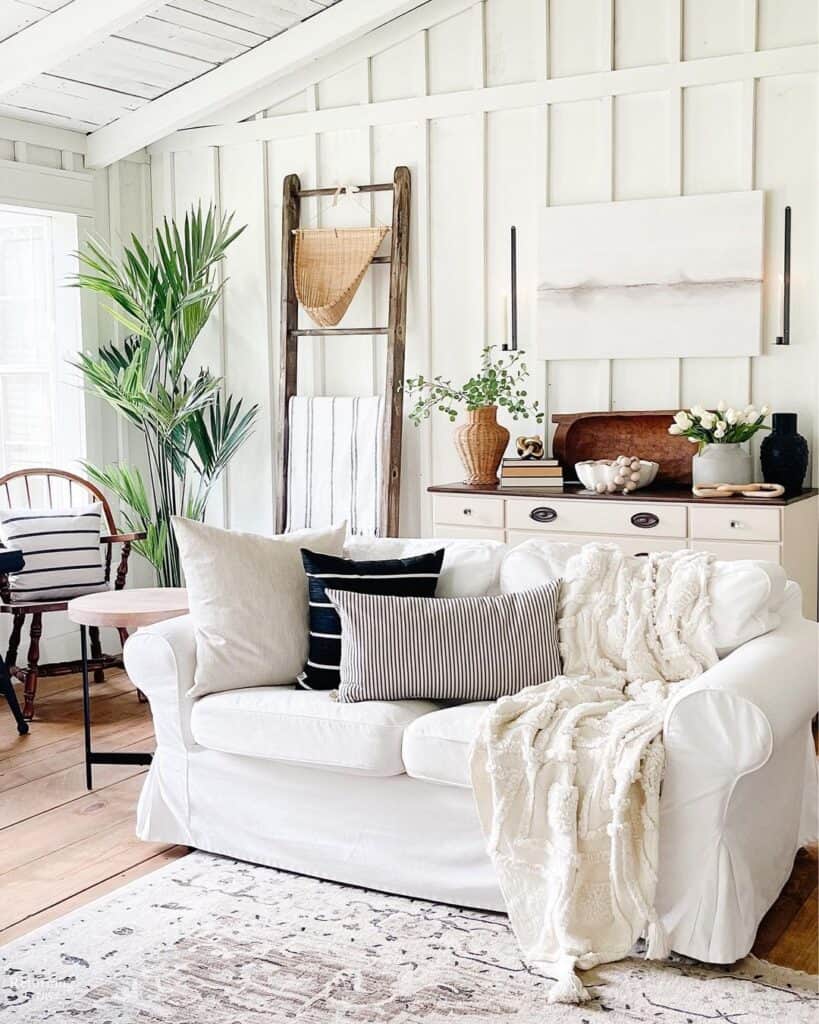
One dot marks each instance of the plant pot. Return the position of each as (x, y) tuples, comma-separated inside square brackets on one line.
[(784, 454), (722, 464), (481, 442)]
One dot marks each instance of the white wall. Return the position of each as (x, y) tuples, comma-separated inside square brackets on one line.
[(44, 167), (497, 109)]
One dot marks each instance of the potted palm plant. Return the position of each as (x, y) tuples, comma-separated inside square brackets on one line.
[(481, 441), (163, 296)]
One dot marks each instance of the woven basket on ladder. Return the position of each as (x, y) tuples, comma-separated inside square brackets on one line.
[(329, 266)]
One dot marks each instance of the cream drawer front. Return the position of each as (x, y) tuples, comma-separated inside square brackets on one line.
[(637, 519), (447, 531), (468, 511), (733, 522), (631, 545), (727, 551)]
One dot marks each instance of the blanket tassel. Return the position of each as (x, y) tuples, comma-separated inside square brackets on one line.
[(568, 988), (657, 945)]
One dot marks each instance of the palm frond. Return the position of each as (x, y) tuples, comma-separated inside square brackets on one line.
[(163, 295)]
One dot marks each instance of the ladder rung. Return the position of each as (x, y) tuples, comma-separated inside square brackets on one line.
[(311, 332), (381, 259), (386, 187)]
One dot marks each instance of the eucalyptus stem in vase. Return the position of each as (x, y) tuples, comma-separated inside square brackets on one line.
[(481, 441)]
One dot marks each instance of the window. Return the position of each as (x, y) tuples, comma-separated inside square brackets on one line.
[(42, 420)]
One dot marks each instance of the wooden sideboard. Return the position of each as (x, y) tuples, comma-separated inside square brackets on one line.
[(779, 530)]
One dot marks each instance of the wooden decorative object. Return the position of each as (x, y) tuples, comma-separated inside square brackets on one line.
[(19, 610), (724, 491), (588, 436), (395, 332), (480, 443), (530, 447)]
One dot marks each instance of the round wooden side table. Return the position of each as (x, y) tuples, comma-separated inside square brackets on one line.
[(125, 609)]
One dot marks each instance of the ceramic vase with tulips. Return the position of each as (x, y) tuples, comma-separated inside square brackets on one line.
[(719, 436)]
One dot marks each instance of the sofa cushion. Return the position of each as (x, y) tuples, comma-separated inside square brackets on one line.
[(248, 602), (745, 594), (402, 577), (436, 746), (471, 567), (308, 728), (457, 648)]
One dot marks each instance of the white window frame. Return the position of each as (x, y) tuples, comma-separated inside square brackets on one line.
[(66, 394)]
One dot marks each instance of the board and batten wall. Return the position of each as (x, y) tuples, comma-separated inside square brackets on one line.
[(500, 107)]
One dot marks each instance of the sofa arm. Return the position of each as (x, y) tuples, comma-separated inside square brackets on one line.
[(160, 660), (735, 743), (776, 673)]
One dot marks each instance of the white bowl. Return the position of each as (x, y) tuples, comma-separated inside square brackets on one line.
[(603, 471)]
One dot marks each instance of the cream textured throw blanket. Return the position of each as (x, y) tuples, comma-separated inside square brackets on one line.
[(567, 773)]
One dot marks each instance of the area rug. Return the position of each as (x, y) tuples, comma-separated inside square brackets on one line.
[(208, 940)]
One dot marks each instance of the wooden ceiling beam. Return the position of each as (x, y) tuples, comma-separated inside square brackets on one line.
[(79, 25), (231, 81)]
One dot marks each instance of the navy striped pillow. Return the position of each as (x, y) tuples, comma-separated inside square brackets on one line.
[(393, 577)]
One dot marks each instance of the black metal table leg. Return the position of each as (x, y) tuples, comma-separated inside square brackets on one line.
[(109, 757), (86, 707)]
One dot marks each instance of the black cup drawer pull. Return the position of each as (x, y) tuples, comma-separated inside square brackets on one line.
[(645, 520), (543, 514)]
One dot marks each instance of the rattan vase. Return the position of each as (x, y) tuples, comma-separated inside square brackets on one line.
[(481, 442)]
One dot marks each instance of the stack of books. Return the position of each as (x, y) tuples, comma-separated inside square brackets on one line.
[(531, 473)]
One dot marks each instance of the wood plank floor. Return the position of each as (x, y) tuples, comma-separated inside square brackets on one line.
[(61, 847)]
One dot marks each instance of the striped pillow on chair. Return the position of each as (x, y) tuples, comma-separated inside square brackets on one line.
[(452, 648), (61, 549), (399, 577)]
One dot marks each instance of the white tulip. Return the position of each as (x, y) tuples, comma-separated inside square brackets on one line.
[(765, 410), (721, 405), (731, 416), (708, 419), (721, 430), (675, 428), (751, 414), (697, 411), (694, 440), (682, 419)]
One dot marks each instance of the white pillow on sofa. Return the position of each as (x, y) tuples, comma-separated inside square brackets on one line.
[(471, 567), (745, 595), (248, 602)]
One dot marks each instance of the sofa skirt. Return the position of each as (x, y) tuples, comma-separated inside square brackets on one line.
[(397, 834)]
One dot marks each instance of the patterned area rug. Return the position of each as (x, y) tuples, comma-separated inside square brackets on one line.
[(207, 940)]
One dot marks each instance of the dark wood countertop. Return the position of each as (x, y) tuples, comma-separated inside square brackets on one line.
[(649, 494)]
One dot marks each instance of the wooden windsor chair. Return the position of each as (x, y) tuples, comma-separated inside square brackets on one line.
[(50, 489)]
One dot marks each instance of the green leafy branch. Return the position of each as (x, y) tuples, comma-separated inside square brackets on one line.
[(499, 382)]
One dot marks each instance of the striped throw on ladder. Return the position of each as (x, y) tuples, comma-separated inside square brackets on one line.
[(334, 463)]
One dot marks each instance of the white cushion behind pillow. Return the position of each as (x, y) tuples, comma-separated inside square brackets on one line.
[(248, 603), (745, 595), (471, 567)]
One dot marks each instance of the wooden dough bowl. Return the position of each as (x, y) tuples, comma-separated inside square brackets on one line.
[(605, 435)]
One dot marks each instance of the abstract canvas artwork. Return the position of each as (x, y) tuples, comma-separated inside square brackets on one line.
[(651, 277)]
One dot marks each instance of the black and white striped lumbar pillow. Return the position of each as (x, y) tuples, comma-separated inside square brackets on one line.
[(398, 577), (61, 549), (462, 648)]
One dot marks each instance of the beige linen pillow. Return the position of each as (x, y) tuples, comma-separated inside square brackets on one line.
[(248, 602)]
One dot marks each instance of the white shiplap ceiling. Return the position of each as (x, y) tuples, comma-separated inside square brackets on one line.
[(172, 44)]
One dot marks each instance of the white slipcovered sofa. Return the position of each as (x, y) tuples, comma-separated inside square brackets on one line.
[(377, 794)]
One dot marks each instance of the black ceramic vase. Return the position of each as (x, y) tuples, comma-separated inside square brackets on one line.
[(784, 454)]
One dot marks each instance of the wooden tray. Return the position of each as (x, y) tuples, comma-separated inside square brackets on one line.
[(605, 435)]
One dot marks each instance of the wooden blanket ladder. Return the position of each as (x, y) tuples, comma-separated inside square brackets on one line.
[(395, 332)]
